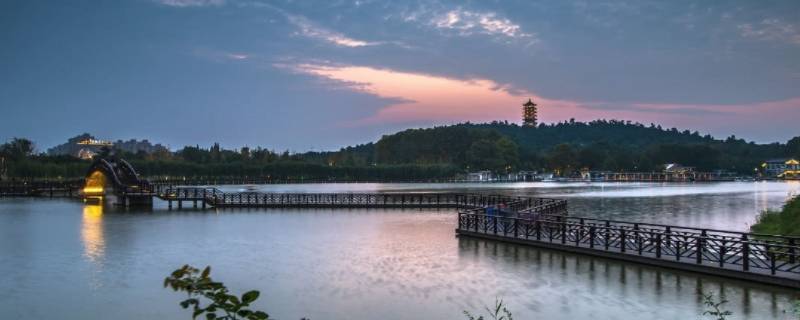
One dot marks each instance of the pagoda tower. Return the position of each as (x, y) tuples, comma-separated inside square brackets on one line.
[(529, 114)]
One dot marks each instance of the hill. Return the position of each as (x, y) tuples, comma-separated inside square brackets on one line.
[(598, 145)]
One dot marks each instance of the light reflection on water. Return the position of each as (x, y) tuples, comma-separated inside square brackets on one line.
[(89, 262), (92, 232)]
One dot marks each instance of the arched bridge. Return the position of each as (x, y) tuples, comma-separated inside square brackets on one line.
[(114, 177)]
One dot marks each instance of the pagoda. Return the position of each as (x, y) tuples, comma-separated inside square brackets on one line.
[(529, 114)]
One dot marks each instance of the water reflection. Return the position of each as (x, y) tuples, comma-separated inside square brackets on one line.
[(92, 236)]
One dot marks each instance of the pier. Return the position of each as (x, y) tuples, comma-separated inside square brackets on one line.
[(761, 258)]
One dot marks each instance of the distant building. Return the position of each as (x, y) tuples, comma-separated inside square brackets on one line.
[(86, 154), (86, 146), (480, 176), (529, 114), (677, 168), (528, 176), (782, 168)]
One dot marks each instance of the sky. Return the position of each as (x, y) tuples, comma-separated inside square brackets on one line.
[(320, 75)]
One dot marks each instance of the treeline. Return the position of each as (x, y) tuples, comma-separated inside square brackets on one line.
[(570, 146), (436, 153), (18, 161)]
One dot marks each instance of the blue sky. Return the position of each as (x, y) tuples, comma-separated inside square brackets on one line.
[(304, 75)]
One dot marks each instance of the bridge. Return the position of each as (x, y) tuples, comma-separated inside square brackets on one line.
[(540, 222)]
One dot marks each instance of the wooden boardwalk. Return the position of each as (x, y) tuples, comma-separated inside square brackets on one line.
[(762, 258), (215, 198)]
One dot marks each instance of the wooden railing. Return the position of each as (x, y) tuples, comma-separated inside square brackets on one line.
[(466, 201), (68, 188), (745, 252)]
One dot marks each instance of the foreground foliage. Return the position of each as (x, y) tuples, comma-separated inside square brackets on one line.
[(715, 308), (220, 305), (784, 222), (499, 312)]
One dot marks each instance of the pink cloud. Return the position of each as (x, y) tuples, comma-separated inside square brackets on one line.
[(424, 98), (428, 97)]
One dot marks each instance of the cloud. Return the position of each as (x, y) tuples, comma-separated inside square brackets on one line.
[(469, 22), (415, 97), (690, 110), (310, 30), (771, 30), (191, 3), (220, 55), (237, 56)]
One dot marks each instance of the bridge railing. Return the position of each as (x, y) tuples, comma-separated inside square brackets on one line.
[(40, 187), (468, 201), (724, 249)]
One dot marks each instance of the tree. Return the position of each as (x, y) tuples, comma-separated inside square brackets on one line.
[(485, 155), (793, 147), (17, 149), (563, 159)]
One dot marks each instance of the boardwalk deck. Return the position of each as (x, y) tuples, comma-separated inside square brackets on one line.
[(761, 258), (216, 198)]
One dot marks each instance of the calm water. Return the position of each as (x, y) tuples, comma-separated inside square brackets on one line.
[(61, 259)]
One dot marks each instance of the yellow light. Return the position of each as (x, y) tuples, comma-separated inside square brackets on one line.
[(92, 190), (95, 184)]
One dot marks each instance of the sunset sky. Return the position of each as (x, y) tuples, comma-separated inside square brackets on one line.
[(303, 75)]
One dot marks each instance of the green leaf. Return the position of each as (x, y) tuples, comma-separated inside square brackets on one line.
[(206, 272), (211, 316), (260, 315), (250, 296), (244, 313)]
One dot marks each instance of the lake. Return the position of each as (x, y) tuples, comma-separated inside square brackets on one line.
[(61, 258)]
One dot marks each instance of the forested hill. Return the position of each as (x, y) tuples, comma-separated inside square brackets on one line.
[(434, 153), (568, 146)]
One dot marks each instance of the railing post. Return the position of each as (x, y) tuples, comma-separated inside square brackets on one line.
[(658, 245), (607, 234), (516, 234), (563, 233), (494, 218), (591, 236), (745, 253), (792, 253), (637, 238), (668, 233), (461, 222), (722, 250), (622, 243), (771, 261), (538, 229), (527, 229), (699, 249)]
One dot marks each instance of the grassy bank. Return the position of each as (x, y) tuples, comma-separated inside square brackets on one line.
[(784, 222)]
